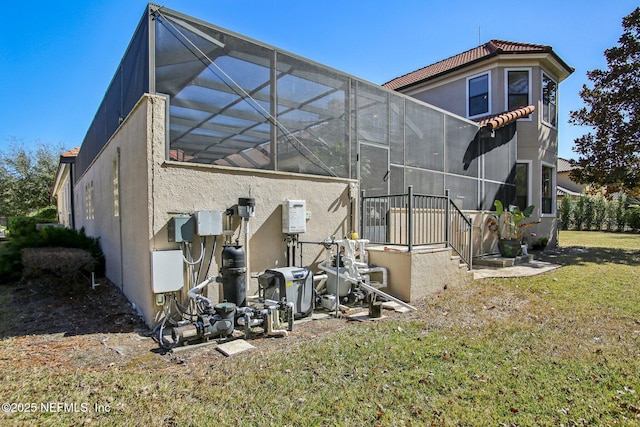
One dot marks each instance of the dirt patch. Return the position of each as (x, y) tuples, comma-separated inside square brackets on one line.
[(98, 329), (59, 324)]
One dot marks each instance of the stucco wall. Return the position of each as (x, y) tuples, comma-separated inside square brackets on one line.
[(151, 190), (186, 188), (415, 275), (62, 193), (537, 141), (123, 234)]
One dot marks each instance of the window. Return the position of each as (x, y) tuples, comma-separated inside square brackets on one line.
[(116, 190), (549, 101), (517, 89), (522, 185), (478, 90), (548, 188), (88, 201)]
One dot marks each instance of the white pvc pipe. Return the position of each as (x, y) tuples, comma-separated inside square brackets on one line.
[(192, 293)]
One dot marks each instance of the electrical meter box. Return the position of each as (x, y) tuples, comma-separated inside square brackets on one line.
[(181, 228), (166, 271), (294, 216), (208, 223)]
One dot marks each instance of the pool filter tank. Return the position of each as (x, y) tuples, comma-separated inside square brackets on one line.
[(291, 284), (232, 275)]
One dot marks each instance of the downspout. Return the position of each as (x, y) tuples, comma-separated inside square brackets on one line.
[(72, 181), (120, 221)]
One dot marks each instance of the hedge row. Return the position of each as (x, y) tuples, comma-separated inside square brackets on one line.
[(24, 236), (597, 213)]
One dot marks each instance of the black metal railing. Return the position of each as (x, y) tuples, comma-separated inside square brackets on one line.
[(416, 220)]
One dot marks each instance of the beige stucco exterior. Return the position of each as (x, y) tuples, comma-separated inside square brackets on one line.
[(420, 273), (132, 220), (537, 142), (62, 189)]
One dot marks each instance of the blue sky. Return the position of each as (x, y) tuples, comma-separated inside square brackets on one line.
[(57, 58)]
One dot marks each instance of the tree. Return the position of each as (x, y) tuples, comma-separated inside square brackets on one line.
[(26, 177), (610, 155), (565, 211)]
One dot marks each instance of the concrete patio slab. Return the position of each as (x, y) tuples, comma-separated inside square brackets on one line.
[(531, 268)]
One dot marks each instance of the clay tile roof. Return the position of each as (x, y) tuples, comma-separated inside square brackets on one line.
[(477, 54), (496, 121), (71, 153)]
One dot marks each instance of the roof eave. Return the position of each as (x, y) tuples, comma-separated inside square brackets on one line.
[(568, 70), (449, 71)]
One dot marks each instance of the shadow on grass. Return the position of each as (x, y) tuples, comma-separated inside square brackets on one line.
[(48, 307), (579, 255)]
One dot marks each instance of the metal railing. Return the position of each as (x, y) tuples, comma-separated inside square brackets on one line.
[(416, 220)]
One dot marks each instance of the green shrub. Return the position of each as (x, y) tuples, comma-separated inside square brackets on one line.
[(633, 217), (69, 238), (10, 259), (540, 243), (599, 211), (47, 215), (611, 209), (578, 212), (566, 208), (588, 214), (22, 225), (621, 217)]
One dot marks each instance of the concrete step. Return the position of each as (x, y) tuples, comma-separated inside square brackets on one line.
[(456, 257), (498, 261)]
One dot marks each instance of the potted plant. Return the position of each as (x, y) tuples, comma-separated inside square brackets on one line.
[(509, 225)]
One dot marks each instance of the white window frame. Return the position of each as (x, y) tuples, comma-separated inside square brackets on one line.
[(506, 89), (488, 74), (542, 120), (553, 190)]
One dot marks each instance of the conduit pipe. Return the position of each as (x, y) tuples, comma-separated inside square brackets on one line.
[(364, 285), (193, 292)]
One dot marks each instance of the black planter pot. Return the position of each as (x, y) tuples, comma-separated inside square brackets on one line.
[(509, 248)]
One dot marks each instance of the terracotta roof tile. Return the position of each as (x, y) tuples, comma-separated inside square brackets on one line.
[(485, 51), (496, 121), (71, 153)]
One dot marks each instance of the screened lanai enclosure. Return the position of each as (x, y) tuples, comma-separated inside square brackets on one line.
[(240, 103)]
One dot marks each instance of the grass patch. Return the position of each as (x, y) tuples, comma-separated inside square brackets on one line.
[(562, 348)]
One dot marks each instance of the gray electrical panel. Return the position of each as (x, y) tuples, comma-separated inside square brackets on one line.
[(181, 228), (208, 223), (166, 271)]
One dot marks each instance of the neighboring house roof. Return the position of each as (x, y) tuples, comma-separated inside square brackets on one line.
[(562, 192), (69, 156), (496, 121), (71, 153), (564, 165), (65, 159), (477, 54)]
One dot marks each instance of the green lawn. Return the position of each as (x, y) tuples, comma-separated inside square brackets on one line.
[(562, 348)]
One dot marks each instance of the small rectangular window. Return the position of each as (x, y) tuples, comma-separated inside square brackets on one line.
[(88, 201), (116, 190), (522, 185), (478, 88), (547, 190), (549, 101), (517, 89)]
